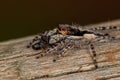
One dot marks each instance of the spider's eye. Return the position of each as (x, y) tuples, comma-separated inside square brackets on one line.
[(36, 46)]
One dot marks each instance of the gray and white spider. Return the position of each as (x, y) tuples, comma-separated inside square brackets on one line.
[(66, 37)]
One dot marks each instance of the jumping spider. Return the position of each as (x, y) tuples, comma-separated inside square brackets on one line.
[(66, 37)]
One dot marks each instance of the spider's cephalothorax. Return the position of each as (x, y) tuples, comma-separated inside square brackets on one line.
[(39, 42), (66, 37), (45, 40)]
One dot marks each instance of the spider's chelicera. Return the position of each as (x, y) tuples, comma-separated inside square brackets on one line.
[(66, 37)]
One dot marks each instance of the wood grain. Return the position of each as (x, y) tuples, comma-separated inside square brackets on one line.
[(19, 63)]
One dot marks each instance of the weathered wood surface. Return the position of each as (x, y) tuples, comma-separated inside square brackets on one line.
[(19, 63)]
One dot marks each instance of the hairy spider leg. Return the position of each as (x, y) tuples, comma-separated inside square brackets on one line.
[(106, 28), (93, 54)]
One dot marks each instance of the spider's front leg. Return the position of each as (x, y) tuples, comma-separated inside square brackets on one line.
[(34, 41)]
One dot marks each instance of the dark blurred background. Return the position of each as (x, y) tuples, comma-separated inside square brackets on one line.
[(20, 18)]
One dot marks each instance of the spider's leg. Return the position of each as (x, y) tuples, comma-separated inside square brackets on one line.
[(46, 51), (93, 54), (59, 50), (75, 44), (41, 54), (62, 49), (68, 46), (29, 45), (33, 40), (105, 28)]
